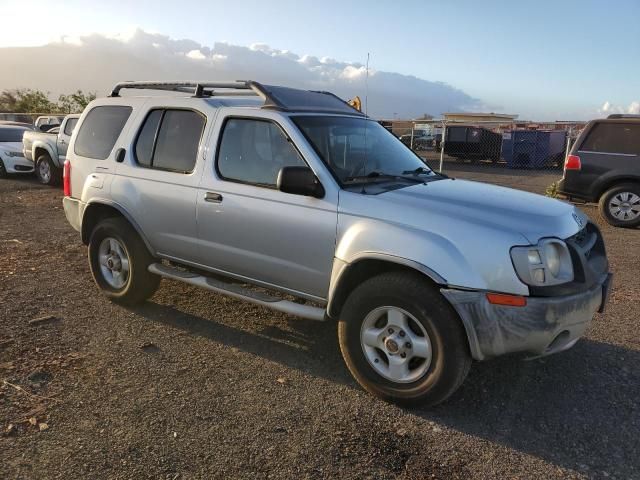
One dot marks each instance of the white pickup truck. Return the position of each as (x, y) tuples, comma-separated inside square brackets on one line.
[(48, 150)]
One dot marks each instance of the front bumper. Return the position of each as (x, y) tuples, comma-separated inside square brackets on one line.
[(17, 164), (544, 326)]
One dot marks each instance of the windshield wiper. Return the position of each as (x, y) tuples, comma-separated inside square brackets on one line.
[(423, 170), (376, 175)]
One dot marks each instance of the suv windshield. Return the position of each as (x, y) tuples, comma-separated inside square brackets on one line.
[(359, 149)]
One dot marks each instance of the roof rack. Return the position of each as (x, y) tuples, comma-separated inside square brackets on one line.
[(275, 97), (623, 115)]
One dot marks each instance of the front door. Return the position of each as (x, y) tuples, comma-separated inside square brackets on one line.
[(248, 227)]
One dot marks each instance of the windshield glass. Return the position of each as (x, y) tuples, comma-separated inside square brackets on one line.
[(343, 145), (11, 134)]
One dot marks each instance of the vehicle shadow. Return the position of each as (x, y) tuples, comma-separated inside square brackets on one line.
[(566, 409)]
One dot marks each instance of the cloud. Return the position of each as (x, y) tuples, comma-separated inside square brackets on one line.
[(608, 108), (97, 62)]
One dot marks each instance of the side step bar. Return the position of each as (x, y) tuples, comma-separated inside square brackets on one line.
[(239, 292)]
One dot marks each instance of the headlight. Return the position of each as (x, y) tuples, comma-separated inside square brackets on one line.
[(13, 154), (548, 263)]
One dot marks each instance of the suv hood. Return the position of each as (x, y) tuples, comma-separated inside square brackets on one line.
[(531, 215)]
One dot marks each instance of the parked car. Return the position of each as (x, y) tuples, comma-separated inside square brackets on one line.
[(46, 123), (280, 194), (604, 167), (47, 150), (11, 157), (421, 140)]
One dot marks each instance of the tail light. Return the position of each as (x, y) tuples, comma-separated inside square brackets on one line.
[(66, 178), (572, 163)]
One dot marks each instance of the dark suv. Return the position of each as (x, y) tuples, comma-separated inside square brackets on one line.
[(604, 167)]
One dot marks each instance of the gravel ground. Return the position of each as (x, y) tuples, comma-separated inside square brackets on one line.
[(195, 385)]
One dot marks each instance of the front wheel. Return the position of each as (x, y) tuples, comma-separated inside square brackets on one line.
[(3, 170), (402, 341), (119, 262), (620, 205)]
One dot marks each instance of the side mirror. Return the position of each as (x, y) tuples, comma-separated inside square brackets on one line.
[(299, 181)]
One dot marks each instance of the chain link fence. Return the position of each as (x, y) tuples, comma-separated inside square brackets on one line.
[(530, 155)]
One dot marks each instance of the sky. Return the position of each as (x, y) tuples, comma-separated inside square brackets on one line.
[(540, 59)]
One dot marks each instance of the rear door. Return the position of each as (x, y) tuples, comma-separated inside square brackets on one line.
[(609, 149), (157, 180)]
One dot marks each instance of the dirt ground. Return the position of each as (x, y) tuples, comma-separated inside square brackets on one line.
[(195, 385)]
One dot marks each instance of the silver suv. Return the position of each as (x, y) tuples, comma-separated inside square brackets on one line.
[(296, 201)]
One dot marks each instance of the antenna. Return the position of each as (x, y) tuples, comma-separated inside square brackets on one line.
[(366, 88), (366, 112)]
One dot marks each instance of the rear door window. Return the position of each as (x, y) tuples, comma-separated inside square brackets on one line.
[(623, 138), (169, 140), (100, 130)]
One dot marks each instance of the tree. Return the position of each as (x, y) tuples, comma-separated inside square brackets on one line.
[(75, 102), (26, 100)]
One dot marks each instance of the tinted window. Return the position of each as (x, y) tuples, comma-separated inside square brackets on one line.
[(70, 125), (178, 140), (254, 151), (100, 130), (146, 138), (613, 138), (11, 134)]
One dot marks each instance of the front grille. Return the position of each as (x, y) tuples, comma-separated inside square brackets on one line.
[(588, 252), (585, 240)]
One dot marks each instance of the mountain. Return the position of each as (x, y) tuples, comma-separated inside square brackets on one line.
[(97, 62)]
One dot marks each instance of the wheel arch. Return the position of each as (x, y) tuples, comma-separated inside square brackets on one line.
[(347, 276), (607, 183), (39, 148), (97, 211)]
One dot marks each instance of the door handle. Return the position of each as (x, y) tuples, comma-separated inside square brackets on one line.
[(213, 197)]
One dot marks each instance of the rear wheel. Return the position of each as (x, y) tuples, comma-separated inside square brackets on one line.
[(46, 171), (402, 341), (119, 262), (620, 205)]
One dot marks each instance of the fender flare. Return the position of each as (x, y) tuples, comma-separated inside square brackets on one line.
[(341, 269), (116, 206), (40, 145)]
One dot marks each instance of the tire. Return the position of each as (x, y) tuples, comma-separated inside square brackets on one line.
[(430, 382), (3, 170), (46, 171), (620, 205), (130, 283)]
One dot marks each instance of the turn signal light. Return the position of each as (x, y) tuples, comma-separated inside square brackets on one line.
[(572, 163), (507, 300)]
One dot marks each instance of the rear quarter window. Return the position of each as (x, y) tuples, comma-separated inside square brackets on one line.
[(100, 130), (621, 138)]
